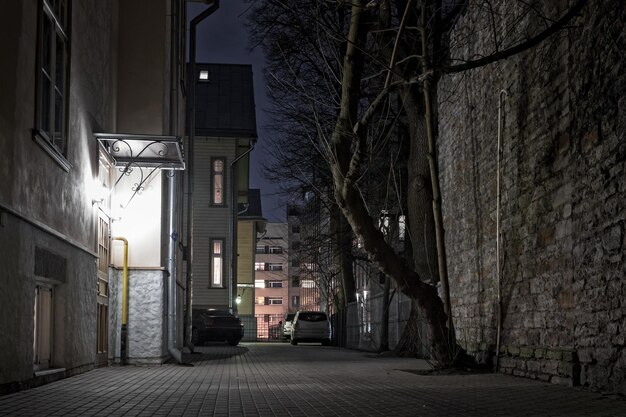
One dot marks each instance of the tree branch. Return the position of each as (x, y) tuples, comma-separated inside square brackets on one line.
[(529, 43)]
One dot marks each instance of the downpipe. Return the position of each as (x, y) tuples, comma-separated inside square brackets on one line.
[(124, 330), (233, 226), (190, 117), (501, 96), (172, 188)]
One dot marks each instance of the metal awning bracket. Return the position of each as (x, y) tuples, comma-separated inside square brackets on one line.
[(145, 151)]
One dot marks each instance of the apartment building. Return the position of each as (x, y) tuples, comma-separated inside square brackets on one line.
[(271, 279)]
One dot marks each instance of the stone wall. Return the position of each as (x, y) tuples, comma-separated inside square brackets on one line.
[(147, 316), (563, 197)]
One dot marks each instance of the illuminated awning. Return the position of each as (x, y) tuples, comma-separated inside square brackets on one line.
[(145, 151)]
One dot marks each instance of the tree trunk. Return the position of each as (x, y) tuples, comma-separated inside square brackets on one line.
[(421, 223), (427, 90), (346, 158), (411, 341)]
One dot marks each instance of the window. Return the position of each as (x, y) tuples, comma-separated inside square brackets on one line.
[(401, 227), (295, 300), (274, 267), (217, 181), (259, 301), (42, 342), (259, 283), (52, 78), (204, 75), (308, 283), (217, 265), (273, 300), (260, 249), (276, 249), (259, 266), (384, 222), (295, 229), (295, 282), (274, 284)]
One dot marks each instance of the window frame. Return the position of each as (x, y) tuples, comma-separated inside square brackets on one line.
[(272, 301), (274, 266), (213, 175), (212, 258), (60, 25), (275, 249)]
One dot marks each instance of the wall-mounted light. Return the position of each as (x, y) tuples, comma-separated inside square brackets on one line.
[(101, 192), (238, 299)]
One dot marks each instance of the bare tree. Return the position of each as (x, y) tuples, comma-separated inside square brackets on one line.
[(363, 56)]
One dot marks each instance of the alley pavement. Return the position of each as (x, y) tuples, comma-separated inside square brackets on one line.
[(256, 379)]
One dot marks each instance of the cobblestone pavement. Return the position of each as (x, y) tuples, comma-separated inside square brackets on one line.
[(306, 380)]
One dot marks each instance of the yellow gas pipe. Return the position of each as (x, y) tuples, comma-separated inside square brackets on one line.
[(124, 338)]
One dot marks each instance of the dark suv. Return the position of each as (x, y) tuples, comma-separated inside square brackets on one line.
[(215, 326)]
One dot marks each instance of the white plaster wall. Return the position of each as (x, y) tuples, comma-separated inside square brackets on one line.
[(146, 316), (138, 221)]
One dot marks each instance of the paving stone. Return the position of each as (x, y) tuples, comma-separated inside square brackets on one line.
[(282, 380)]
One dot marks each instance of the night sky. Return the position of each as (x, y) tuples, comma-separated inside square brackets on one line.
[(222, 39)]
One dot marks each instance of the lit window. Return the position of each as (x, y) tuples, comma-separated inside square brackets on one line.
[(204, 75), (52, 77), (216, 263), (401, 227), (217, 181), (295, 300), (259, 283), (259, 266), (384, 222), (307, 283)]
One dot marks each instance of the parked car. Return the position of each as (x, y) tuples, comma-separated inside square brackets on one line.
[(287, 321), (213, 325), (310, 326)]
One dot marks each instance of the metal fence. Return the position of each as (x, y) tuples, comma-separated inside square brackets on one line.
[(359, 326), (262, 327)]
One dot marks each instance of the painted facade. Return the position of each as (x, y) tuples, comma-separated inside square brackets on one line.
[(225, 133), (58, 294)]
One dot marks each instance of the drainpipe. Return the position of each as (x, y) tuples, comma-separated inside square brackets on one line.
[(172, 188), (232, 287), (191, 132), (501, 97), (124, 338)]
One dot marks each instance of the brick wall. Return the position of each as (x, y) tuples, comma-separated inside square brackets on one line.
[(563, 197)]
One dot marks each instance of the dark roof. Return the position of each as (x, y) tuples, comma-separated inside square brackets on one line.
[(254, 205), (225, 102)]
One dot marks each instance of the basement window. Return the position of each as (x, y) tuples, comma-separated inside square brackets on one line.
[(204, 75)]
